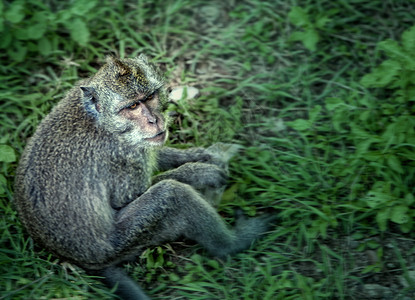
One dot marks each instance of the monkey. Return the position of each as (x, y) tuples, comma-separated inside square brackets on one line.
[(86, 187)]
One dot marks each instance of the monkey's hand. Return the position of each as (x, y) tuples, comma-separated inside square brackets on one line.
[(221, 154), (198, 175)]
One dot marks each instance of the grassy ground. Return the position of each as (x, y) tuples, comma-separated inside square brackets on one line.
[(320, 94)]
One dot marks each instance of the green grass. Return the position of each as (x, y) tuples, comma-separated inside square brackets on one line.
[(331, 152)]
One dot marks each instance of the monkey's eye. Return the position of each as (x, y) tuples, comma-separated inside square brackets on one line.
[(150, 97), (133, 106)]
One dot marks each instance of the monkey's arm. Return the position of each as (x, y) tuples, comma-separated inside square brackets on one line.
[(218, 154), (199, 175), (170, 158)]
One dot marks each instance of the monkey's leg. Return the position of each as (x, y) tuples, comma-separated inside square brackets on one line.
[(171, 209)]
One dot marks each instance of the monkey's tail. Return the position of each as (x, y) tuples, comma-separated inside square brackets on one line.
[(127, 289)]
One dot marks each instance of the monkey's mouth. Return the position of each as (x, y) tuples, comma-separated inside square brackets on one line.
[(159, 137)]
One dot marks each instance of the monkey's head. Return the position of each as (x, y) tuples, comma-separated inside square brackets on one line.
[(128, 98)]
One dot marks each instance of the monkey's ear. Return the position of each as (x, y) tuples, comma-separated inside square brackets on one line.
[(121, 67), (90, 100), (89, 92)]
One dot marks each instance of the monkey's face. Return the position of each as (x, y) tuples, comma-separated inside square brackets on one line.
[(128, 99), (144, 119)]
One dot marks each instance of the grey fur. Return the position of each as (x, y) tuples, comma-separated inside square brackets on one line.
[(84, 186)]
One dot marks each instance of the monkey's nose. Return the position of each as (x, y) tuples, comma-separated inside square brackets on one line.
[(152, 119)]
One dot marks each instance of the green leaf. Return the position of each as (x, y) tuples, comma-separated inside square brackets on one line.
[(311, 39), (44, 46), (363, 146), (396, 52), (7, 154), (395, 164), (17, 52), (79, 31), (407, 227), (358, 132), (15, 13), (230, 193), (392, 49), (6, 39), (399, 214), (3, 184), (213, 263), (38, 26), (376, 199), (373, 156), (322, 21), (297, 36), (298, 16), (333, 103), (82, 7), (409, 199), (21, 34), (174, 277), (408, 40), (314, 112), (364, 116), (382, 75), (300, 124), (372, 244), (382, 218), (63, 16)]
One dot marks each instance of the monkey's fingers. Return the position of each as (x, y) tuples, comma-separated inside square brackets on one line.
[(222, 153)]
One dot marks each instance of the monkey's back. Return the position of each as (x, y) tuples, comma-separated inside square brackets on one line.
[(61, 187)]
